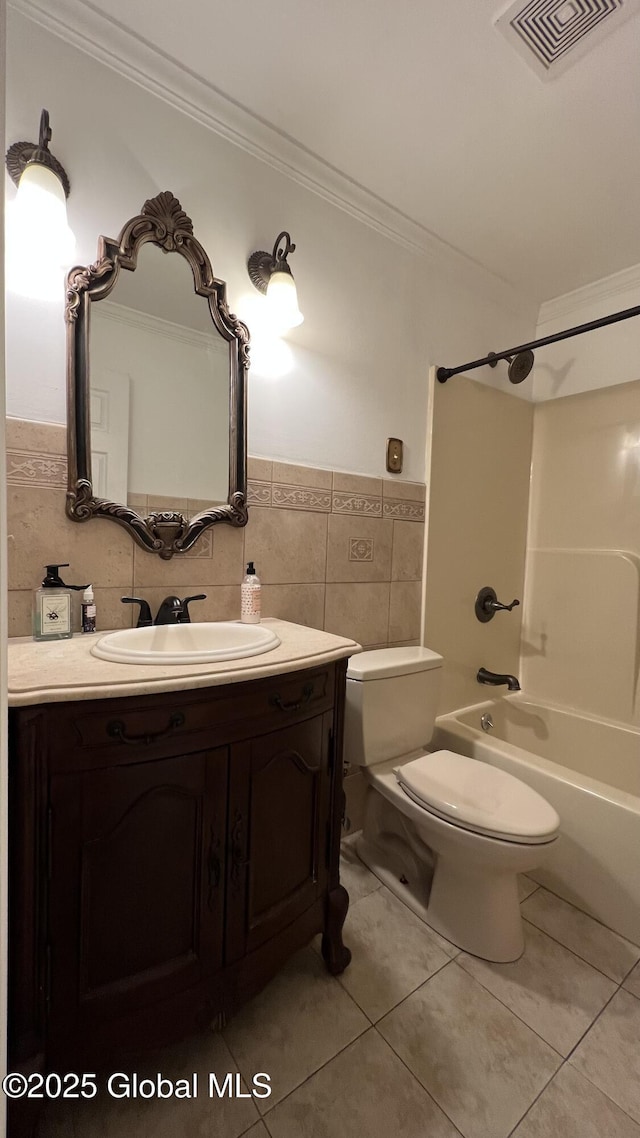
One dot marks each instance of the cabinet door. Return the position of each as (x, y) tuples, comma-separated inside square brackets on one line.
[(137, 881), (277, 852)]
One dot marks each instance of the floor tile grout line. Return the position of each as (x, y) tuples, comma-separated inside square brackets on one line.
[(250, 1128), (602, 1092), (585, 1033), (436, 938), (576, 954), (585, 1075), (374, 1026), (513, 1013), (586, 914), (618, 983), (370, 1027), (263, 1121), (418, 1081), (401, 1001), (537, 1098)]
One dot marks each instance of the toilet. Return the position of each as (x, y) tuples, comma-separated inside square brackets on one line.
[(446, 833)]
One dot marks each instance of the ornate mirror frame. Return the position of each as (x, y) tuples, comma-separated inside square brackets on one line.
[(163, 222)]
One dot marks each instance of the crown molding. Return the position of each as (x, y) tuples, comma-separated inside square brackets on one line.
[(572, 303), (86, 28), (158, 326)]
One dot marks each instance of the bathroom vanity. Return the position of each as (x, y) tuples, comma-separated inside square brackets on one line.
[(174, 838)]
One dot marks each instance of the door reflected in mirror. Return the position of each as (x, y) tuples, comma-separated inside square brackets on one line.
[(159, 391)]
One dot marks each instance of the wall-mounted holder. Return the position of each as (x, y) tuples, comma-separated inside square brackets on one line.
[(394, 455), (487, 604)]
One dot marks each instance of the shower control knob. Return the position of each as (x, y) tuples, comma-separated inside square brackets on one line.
[(487, 604)]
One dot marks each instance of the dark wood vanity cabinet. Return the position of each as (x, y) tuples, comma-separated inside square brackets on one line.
[(168, 853)]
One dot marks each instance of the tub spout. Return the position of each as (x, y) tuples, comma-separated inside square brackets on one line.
[(484, 676)]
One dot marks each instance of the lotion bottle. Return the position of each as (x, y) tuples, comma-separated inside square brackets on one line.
[(52, 607), (88, 610), (250, 597)]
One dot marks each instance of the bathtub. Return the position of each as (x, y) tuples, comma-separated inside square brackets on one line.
[(589, 769)]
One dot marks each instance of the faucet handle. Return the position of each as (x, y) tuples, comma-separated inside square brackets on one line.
[(185, 616), (144, 615), (487, 604), (497, 606)]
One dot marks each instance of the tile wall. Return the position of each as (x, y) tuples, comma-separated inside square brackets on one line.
[(335, 551)]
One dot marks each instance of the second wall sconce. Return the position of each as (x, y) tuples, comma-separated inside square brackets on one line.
[(42, 241), (271, 275)]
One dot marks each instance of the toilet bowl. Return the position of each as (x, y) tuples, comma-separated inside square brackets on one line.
[(447, 833)]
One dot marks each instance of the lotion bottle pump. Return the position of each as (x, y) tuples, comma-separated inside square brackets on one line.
[(250, 597)]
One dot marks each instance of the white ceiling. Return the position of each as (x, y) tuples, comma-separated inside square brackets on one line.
[(428, 107)]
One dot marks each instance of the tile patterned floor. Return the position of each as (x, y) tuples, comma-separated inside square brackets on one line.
[(417, 1038)]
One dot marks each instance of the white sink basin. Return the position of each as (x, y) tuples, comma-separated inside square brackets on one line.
[(202, 643)]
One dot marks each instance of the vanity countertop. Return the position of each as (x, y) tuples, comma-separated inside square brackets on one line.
[(60, 670)]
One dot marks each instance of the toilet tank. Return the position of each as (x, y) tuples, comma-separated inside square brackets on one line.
[(392, 697)]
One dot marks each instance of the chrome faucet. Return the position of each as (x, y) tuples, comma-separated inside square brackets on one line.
[(171, 611), (484, 676)]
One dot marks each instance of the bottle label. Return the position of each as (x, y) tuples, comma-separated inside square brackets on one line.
[(88, 618), (55, 614), (250, 604)]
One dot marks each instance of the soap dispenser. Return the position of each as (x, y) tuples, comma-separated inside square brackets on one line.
[(52, 606), (250, 597)]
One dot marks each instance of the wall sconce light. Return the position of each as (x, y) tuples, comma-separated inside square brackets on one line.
[(42, 244), (271, 275)]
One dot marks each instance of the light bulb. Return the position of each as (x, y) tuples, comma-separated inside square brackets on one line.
[(40, 244), (282, 298)]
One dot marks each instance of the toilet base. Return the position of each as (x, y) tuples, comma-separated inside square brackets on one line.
[(481, 916), (472, 904)]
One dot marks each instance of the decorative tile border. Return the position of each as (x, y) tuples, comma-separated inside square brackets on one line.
[(203, 546), (360, 549), (364, 504), (31, 468), (258, 493), (403, 509), (44, 469), (300, 498)]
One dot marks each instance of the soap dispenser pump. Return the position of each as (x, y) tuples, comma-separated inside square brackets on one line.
[(52, 606)]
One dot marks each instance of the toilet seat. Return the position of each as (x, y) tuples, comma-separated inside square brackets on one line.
[(478, 797)]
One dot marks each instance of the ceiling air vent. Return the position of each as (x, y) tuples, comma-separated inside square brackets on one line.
[(551, 35)]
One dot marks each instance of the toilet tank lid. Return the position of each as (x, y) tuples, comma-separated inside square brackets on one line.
[(382, 663)]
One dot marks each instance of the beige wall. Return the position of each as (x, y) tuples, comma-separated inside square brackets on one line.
[(478, 499), (581, 638), (336, 551)]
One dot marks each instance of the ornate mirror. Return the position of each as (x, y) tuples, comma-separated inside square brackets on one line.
[(156, 386)]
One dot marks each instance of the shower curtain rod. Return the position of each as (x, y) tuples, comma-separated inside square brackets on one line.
[(445, 373)]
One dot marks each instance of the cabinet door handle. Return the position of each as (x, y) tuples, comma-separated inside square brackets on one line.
[(116, 730), (295, 704)]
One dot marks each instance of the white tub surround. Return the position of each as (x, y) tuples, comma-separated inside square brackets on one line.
[(566, 757), (67, 669)]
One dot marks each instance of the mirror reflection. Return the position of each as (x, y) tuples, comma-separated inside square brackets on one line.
[(159, 391), (156, 377)]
